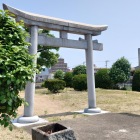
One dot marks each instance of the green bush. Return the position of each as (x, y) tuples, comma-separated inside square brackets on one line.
[(102, 79), (81, 69), (68, 78), (54, 85), (136, 81), (80, 82), (59, 74), (16, 67)]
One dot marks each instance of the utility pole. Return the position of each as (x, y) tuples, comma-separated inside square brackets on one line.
[(139, 57), (106, 63), (84, 63)]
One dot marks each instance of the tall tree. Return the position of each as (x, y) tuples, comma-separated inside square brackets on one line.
[(120, 71), (48, 54)]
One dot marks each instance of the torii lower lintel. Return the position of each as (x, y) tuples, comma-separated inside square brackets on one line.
[(67, 43)]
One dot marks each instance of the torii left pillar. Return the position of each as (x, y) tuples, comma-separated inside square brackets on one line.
[(28, 116)]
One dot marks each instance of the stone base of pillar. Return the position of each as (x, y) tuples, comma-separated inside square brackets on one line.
[(92, 110), (32, 119)]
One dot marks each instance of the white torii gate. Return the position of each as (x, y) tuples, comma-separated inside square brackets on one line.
[(35, 21)]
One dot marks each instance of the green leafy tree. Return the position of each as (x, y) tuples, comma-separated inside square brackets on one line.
[(81, 69), (136, 81), (59, 74), (120, 71), (16, 67), (102, 79), (48, 55)]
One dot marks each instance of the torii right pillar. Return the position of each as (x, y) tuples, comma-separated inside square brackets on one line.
[(90, 77)]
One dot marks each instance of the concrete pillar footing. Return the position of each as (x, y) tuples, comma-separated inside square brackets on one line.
[(92, 110), (32, 119)]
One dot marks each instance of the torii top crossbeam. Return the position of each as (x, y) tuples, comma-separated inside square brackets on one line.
[(55, 24)]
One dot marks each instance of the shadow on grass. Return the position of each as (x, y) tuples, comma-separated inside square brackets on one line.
[(58, 114), (130, 114)]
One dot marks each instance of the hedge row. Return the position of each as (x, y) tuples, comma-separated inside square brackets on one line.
[(78, 82), (136, 81), (102, 79)]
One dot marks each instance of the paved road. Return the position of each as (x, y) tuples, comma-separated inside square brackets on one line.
[(110, 126)]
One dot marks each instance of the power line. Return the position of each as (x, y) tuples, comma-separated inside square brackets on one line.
[(114, 60)]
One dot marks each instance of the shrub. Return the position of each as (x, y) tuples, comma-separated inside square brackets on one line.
[(80, 82), (59, 74), (81, 69), (68, 78), (16, 67), (54, 85), (102, 79), (136, 81)]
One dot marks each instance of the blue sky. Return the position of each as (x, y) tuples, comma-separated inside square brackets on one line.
[(122, 17)]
